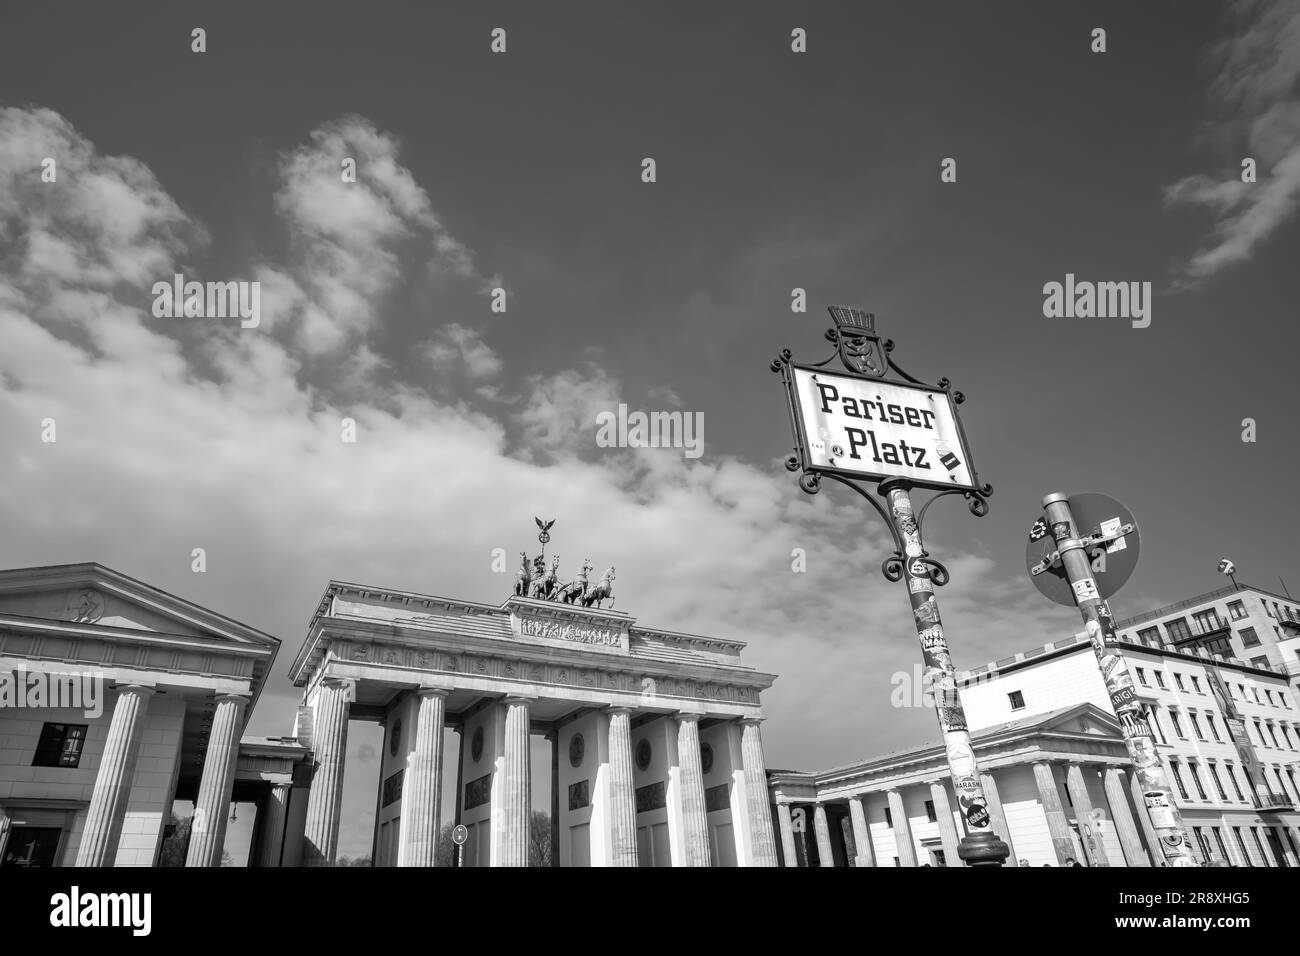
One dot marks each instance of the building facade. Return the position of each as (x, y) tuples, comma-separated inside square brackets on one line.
[(1227, 729), (117, 699), (656, 757)]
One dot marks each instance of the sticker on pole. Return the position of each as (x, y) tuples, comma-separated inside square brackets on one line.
[(460, 834), (1158, 808), (1110, 536)]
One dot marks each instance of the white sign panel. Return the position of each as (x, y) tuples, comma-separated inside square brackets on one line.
[(881, 430)]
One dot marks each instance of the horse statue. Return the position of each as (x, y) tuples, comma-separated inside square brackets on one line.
[(544, 584), (522, 576), (573, 591), (605, 589)]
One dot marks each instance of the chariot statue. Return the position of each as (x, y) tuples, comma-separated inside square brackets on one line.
[(533, 580)]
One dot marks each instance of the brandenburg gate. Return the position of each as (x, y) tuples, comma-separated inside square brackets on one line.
[(656, 755)]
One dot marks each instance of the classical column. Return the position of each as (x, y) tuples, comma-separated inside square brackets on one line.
[(695, 818), (861, 832), (902, 829), (212, 806), (947, 827), (760, 814), (1089, 834), (787, 834), (1000, 826), (330, 742), (1144, 820), (1127, 830), (276, 810), (553, 736), (422, 783), (516, 787), (1050, 798), (622, 795), (107, 810), (825, 855)]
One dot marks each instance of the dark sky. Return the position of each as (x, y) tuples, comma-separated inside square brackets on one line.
[(776, 170)]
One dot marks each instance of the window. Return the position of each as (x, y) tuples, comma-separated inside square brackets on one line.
[(1254, 831), (60, 745), (1259, 729), (1206, 855), (1272, 732), (1259, 662), (1160, 678), (1248, 637), (1178, 779), (929, 811), (1142, 676), (1241, 842), (1272, 613), (1237, 610), (1235, 786), (1290, 775), (1196, 778), (1178, 679), (1017, 699), (1177, 629), (1269, 695), (1214, 728), (1286, 735), (1196, 685), (1154, 721), (1178, 727), (1282, 697), (1218, 838), (1196, 726), (1149, 635), (1218, 782), (889, 822)]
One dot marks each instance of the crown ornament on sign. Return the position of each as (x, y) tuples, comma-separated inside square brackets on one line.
[(535, 580)]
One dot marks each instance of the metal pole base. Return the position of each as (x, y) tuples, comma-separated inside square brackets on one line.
[(982, 849)]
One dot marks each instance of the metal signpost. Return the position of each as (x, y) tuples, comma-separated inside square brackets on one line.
[(1080, 553), (900, 434), (459, 834)]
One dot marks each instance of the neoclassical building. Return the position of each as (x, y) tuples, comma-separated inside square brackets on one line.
[(1055, 767), (117, 699), (656, 754)]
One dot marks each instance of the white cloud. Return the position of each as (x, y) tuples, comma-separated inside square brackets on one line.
[(225, 446), (1256, 88)]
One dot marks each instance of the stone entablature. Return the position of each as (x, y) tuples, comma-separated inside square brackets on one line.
[(524, 646)]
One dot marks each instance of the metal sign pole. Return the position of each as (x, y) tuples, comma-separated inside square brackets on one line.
[(1100, 625), (980, 846)]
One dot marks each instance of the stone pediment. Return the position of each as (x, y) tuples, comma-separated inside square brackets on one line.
[(92, 595)]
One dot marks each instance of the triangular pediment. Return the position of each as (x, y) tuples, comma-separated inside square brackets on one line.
[(95, 596)]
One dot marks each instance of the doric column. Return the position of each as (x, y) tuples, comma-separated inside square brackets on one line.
[(554, 737), (861, 832), (695, 818), (1127, 830), (516, 788), (622, 795), (902, 829), (422, 783), (787, 834), (947, 827), (1093, 845), (330, 743), (760, 814), (825, 855), (1050, 798), (103, 828), (212, 807), (998, 816), (276, 808), (1144, 820)]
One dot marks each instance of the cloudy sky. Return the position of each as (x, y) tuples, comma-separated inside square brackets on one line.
[(522, 171)]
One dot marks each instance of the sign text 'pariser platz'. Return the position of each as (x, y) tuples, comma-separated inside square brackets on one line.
[(869, 428)]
